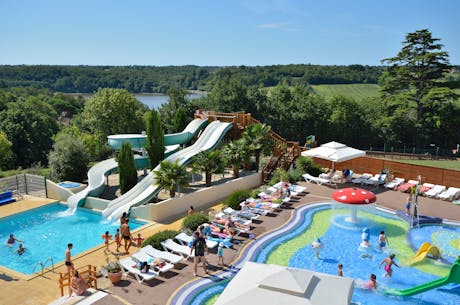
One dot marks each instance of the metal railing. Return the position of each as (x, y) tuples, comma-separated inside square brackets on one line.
[(43, 265)]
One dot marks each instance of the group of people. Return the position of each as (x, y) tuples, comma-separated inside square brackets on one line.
[(12, 240), (200, 249), (122, 233), (78, 285)]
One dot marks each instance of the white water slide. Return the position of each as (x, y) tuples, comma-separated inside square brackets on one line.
[(146, 189), (97, 173)]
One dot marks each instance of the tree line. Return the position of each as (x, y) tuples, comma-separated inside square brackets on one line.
[(150, 79)]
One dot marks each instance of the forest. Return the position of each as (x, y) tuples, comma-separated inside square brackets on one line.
[(416, 106)]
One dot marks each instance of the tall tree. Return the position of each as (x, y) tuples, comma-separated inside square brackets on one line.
[(180, 119), (5, 150), (236, 154), (170, 176), (256, 137), (155, 139), (410, 79), (210, 162), (177, 99), (68, 159), (126, 168)]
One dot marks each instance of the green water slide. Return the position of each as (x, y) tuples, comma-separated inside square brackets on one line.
[(452, 277)]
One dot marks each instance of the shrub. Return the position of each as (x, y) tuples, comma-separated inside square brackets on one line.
[(254, 193), (193, 221), (306, 165), (296, 175), (235, 198), (279, 175), (157, 238)]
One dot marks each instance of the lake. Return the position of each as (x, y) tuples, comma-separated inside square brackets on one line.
[(155, 101)]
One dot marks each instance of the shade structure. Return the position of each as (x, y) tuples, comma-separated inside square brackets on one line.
[(335, 152), (355, 196)]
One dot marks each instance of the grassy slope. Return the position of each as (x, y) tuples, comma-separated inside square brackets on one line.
[(355, 91), (449, 164)]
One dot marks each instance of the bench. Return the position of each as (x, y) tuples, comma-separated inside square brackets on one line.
[(6, 197)]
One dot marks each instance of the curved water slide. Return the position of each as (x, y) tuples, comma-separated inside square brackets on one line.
[(147, 188), (97, 173), (425, 249)]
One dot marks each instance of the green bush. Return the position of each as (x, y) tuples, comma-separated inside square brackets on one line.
[(235, 198), (157, 238), (254, 193), (306, 165), (193, 221), (296, 175), (279, 175)]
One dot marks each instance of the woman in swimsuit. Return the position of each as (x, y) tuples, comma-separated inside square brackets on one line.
[(11, 240)]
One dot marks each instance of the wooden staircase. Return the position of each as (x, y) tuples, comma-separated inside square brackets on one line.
[(284, 153)]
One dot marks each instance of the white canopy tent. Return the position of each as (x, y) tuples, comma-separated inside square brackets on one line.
[(335, 152)]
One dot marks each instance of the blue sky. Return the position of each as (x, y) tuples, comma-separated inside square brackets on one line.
[(218, 32)]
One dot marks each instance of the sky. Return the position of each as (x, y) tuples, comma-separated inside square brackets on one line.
[(219, 32)]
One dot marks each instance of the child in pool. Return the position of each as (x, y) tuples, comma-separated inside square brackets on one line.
[(118, 239), (408, 206), (21, 249), (383, 240), (372, 283), (340, 270), (389, 261)]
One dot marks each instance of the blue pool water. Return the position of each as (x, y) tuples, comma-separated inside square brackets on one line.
[(47, 230), (342, 246)]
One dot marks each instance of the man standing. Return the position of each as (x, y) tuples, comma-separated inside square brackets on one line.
[(68, 258), (199, 245), (126, 235)]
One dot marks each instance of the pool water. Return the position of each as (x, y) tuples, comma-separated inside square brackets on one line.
[(47, 230), (342, 246)]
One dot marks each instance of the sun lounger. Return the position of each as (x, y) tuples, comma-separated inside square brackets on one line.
[(377, 179), (141, 256), (241, 214), (394, 184), (452, 193), (435, 191), (294, 188), (320, 181), (242, 221), (361, 179), (172, 246), (425, 188), (186, 239), (406, 186), (155, 253), (262, 204), (128, 265), (259, 211)]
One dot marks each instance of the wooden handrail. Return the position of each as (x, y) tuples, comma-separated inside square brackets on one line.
[(88, 273)]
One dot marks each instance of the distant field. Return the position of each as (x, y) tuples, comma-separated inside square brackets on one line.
[(355, 91), (449, 164)]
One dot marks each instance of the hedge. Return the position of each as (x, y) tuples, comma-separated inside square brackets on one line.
[(193, 221), (235, 198), (156, 239)]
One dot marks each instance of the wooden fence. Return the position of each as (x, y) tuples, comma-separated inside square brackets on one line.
[(447, 177)]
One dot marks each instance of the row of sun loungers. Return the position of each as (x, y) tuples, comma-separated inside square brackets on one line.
[(427, 189)]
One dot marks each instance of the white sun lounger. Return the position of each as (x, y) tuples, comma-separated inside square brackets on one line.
[(241, 214), (452, 193), (320, 181), (243, 221), (185, 240), (155, 253), (127, 264), (259, 211), (394, 184), (435, 191), (361, 179), (141, 256), (378, 179), (172, 246)]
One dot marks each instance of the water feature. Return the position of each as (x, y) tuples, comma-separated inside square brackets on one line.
[(46, 231)]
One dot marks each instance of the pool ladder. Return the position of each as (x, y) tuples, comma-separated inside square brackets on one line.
[(43, 265)]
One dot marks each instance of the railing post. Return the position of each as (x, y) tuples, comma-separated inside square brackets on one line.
[(25, 184)]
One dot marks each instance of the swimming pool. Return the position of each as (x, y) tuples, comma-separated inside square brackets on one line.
[(293, 248), (47, 230)]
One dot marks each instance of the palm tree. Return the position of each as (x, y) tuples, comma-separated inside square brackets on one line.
[(170, 176), (236, 154), (210, 162), (257, 138)]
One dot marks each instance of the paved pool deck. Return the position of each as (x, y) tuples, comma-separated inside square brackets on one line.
[(44, 289)]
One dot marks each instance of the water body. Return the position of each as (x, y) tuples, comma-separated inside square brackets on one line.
[(155, 101)]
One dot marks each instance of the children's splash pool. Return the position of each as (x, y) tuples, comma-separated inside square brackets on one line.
[(47, 230), (342, 245)]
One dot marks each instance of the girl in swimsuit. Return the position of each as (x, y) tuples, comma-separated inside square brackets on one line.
[(372, 284), (389, 261)]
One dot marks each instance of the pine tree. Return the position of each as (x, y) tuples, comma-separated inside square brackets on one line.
[(155, 139), (126, 168)]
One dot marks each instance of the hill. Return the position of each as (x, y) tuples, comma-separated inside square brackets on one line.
[(355, 91)]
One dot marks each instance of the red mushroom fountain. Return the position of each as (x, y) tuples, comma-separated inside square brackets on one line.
[(354, 197)]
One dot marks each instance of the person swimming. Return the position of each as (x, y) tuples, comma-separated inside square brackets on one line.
[(11, 240), (372, 283), (21, 250)]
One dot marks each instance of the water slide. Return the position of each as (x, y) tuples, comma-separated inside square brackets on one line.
[(97, 173), (452, 277), (146, 189), (425, 249)]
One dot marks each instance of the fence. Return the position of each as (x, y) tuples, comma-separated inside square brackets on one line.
[(429, 174), (25, 184)]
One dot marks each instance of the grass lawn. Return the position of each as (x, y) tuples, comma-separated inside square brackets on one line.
[(35, 171), (355, 91), (449, 164)]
